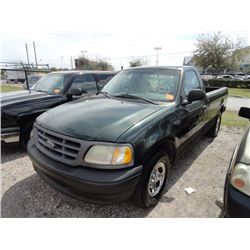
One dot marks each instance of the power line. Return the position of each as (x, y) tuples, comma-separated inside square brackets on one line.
[(165, 54)]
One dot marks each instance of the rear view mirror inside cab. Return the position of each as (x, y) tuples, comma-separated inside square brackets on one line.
[(244, 112)]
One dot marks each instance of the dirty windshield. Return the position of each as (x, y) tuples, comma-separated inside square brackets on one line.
[(51, 83), (158, 85)]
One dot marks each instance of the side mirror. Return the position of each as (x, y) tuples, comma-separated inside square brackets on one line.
[(196, 95), (75, 92), (244, 112)]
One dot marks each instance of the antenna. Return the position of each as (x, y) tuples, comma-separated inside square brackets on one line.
[(26, 77)]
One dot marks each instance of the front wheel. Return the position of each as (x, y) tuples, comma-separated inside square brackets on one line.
[(25, 134), (153, 181)]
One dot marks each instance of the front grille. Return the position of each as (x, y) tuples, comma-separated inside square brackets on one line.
[(62, 148), (56, 146)]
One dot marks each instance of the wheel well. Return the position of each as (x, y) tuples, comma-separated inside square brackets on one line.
[(167, 146), (223, 108), (26, 122)]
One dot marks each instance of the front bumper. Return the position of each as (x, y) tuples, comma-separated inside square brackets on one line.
[(236, 204), (10, 134), (92, 185)]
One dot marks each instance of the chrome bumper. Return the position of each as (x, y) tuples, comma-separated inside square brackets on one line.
[(10, 134)]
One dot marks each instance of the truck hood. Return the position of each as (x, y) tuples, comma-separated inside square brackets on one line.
[(15, 103), (98, 119), (20, 96)]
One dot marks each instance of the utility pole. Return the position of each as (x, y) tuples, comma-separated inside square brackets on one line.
[(71, 61), (27, 54), (62, 62), (35, 52), (157, 54)]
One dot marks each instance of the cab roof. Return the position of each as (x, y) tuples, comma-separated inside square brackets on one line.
[(83, 72), (163, 67)]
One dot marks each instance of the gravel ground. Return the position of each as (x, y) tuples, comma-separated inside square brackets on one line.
[(24, 194), (234, 103)]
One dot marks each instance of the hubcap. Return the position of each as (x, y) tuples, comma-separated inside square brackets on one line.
[(156, 179)]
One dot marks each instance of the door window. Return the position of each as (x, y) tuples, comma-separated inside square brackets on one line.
[(90, 83), (190, 82), (86, 83), (103, 79)]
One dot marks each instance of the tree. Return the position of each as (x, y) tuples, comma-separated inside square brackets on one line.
[(136, 62), (53, 69), (217, 52), (239, 57), (87, 64), (103, 65)]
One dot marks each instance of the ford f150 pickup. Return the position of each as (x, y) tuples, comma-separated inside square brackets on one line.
[(20, 109), (122, 142)]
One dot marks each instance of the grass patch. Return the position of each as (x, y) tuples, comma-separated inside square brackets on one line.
[(8, 87), (230, 118), (239, 92)]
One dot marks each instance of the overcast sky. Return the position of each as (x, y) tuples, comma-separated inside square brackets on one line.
[(116, 30)]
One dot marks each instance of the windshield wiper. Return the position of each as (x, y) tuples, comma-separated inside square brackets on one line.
[(129, 96), (105, 93)]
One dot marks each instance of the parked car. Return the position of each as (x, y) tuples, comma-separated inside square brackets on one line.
[(238, 77), (20, 109), (207, 77), (31, 81), (226, 77), (122, 142), (247, 77), (237, 184)]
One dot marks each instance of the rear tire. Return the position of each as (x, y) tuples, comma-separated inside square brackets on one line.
[(152, 183), (213, 132)]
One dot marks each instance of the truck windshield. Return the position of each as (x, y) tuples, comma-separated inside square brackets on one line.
[(52, 83), (159, 85)]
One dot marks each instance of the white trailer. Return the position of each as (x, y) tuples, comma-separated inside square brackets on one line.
[(14, 76)]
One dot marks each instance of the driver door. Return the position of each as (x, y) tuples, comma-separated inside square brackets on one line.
[(86, 83), (191, 115)]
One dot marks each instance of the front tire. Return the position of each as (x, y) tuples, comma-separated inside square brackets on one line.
[(25, 134), (149, 190)]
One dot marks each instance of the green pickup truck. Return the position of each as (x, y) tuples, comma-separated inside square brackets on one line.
[(122, 142)]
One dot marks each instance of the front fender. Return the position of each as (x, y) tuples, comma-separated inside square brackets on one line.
[(154, 131)]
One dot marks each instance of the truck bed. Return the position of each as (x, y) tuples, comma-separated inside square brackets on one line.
[(216, 92)]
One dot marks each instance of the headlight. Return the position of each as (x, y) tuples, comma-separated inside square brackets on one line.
[(109, 155), (240, 178)]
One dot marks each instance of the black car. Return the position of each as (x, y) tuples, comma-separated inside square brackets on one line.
[(237, 184), (20, 109), (122, 143)]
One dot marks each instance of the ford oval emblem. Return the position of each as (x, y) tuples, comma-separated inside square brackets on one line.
[(50, 144)]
